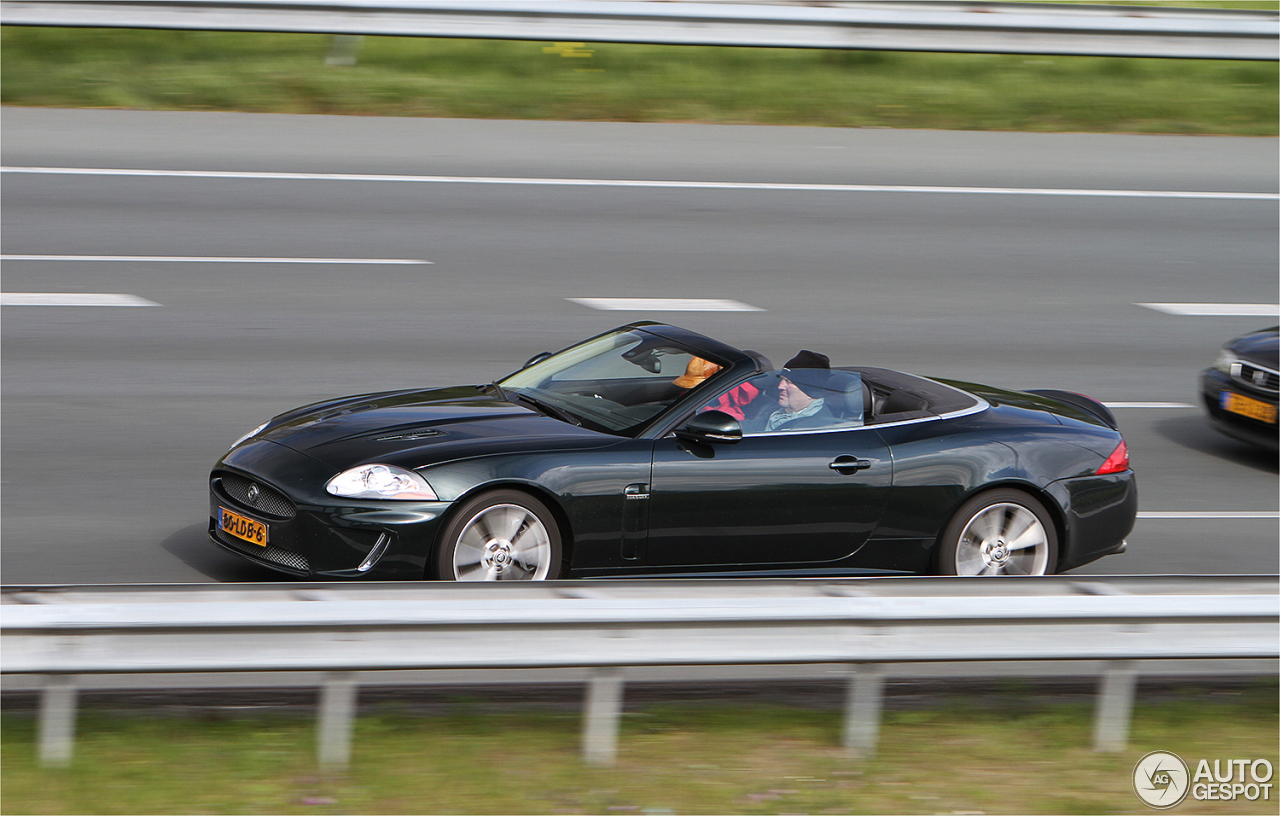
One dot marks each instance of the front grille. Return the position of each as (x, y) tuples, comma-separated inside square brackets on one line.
[(276, 555), (268, 501), (1263, 379)]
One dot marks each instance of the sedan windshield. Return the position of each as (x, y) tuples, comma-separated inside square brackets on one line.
[(614, 383)]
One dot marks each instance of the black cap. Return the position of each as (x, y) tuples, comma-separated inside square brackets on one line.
[(809, 370), (809, 359)]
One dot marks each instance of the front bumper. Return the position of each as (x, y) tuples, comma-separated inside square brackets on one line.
[(1214, 384), (306, 533)]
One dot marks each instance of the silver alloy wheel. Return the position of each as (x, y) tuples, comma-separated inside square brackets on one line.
[(1003, 539), (503, 542)]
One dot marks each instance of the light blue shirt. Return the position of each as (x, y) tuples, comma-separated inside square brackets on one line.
[(782, 416)]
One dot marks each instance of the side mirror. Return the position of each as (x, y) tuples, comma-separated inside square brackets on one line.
[(537, 358), (711, 426)]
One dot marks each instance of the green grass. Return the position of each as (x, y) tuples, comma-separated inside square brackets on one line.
[(180, 70), (1003, 753)]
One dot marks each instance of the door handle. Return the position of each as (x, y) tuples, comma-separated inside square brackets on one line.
[(849, 464)]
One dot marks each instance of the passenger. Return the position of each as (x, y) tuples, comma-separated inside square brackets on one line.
[(804, 376), (734, 402), (695, 372)]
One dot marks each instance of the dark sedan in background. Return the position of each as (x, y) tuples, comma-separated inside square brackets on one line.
[(1241, 389), (654, 450)]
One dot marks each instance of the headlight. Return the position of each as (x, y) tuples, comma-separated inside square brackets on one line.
[(1226, 359), (249, 435), (381, 482)]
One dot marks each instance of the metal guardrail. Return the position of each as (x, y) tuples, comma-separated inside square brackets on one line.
[(606, 633), (1004, 28)]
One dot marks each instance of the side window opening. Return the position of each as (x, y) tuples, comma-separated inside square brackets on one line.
[(802, 399)]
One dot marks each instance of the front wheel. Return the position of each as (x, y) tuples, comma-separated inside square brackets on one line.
[(1001, 532), (504, 535)]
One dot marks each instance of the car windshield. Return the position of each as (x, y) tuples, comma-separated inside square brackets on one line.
[(614, 383)]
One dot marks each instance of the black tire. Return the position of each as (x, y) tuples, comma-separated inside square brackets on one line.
[(1000, 532), (502, 535)]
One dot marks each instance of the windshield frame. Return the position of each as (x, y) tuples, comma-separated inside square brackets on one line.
[(734, 363)]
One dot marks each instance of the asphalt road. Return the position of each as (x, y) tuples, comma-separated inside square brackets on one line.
[(112, 416)]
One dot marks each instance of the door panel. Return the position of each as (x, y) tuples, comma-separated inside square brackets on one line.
[(767, 499)]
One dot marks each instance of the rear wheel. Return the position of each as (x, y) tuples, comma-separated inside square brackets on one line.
[(1001, 532), (504, 535)]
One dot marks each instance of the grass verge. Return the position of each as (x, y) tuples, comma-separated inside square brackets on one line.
[(1010, 752), (287, 73)]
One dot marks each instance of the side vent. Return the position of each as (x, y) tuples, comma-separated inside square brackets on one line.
[(410, 436)]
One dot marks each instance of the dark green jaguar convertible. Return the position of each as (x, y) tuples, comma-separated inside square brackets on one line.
[(652, 450)]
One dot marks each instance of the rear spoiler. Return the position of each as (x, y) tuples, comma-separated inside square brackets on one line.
[(1088, 404)]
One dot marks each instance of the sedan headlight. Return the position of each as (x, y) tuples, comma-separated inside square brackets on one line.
[(381, 482), (1226, 359), (249, 435)]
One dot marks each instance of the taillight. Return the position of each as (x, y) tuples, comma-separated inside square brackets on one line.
[(1117, 462)]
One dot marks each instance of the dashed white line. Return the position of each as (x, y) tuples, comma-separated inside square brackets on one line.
[(665, 305), (1216, 309), (614, 304), (71, 299), (212, 259), (1122, 405), (690, 185)]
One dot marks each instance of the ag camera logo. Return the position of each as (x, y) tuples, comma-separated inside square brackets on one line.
[(1161, 779)]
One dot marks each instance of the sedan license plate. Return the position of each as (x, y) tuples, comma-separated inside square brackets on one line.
[(255, 532), (1245, 406)]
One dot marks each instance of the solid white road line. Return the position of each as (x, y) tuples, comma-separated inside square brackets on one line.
[(1216, 309), (690, 185), (70, 299), (211, 259), (665, 305), (1210, 514)]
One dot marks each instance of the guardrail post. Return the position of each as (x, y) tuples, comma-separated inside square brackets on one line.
[(863, 703), (343, 49), (601, 718), (57, 719), (337, 713), (1115, 707)]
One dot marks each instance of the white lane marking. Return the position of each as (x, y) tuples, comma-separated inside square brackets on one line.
[(1210, 514), (665, 305), (688, 185), (1216, 309), (70, 299), (211, 259), (1148, 405)]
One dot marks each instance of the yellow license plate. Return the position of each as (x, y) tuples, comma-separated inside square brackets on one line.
[(1245, 406), (255, 532)]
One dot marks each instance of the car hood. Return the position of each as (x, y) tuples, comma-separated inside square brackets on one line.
[(1261, 348), (413, 429)]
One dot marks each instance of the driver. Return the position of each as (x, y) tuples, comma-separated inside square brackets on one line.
[(800, 407)]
